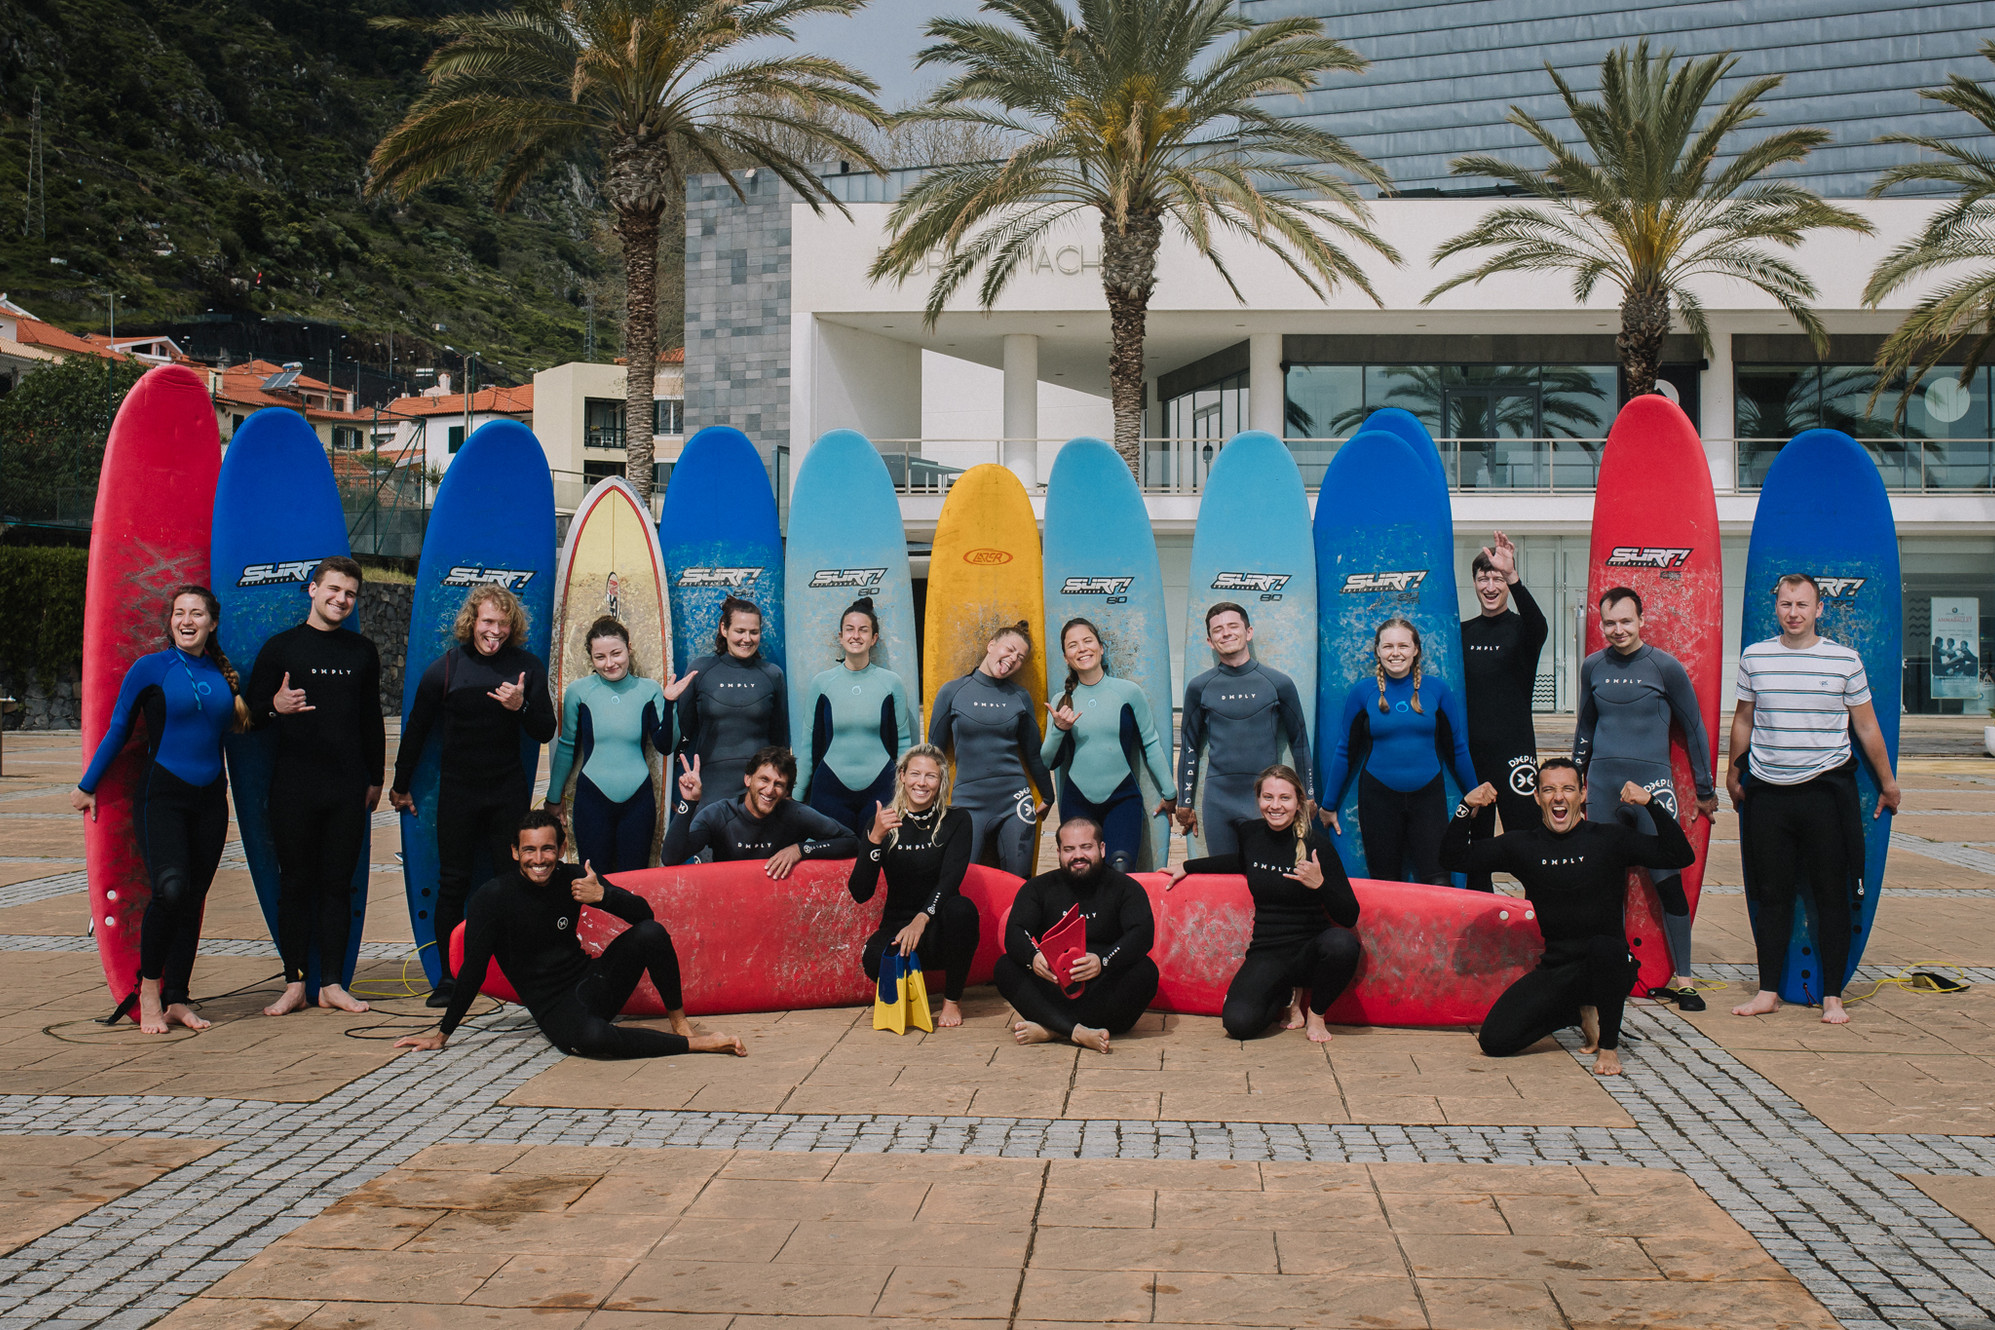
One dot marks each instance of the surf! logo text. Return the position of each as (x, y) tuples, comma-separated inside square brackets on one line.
[(1647, 556), (859, 579), (472, 574), (271, 574), (1268, 585), (1360, 584), (717, 577), (1115, 589)]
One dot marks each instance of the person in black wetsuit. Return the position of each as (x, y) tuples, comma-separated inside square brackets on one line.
[(738, 705), (489, 692), (319, 688), (1575, 873), (763, 823), (526, 919), (1118, 974), (923, 847), (1304, 911), (1500, 650)]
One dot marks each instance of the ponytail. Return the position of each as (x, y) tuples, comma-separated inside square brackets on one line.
[(730, 607), (1074, 675), (1300, 826)]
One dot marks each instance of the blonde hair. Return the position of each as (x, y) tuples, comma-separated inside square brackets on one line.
[(1301, 824), (900, 804), (1378, 666), (508, 603)]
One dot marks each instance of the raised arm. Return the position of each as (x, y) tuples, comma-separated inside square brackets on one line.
[(625, 905), (688, 836), (1531, 633)]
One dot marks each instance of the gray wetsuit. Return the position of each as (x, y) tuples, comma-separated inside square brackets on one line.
[(734, 707), (1240, 716), (990, 729)]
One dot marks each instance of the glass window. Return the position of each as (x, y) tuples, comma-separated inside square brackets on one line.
[(1318, 396), (456, 438), (1420, 389), (602, 422), (1773, 403), (667, 416), (1577, 401)]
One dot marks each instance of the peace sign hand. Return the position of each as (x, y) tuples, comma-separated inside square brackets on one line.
[(689, 779), (511, 696), (289, 701), (1309, 873)]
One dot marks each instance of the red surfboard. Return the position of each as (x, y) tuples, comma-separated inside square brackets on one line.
[(747, 943), (1655, 528), (149, 534)]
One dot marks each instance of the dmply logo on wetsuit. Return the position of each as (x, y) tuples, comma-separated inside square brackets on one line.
[(1647, 556), (1114, 589), (469, 574), (1365, 584), (275, 574), (1268, 585), (859, 579), (1523, 776), (717, 577), (1663, 793)]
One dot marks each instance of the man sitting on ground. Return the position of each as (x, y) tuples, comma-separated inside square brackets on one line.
[(762, 823)]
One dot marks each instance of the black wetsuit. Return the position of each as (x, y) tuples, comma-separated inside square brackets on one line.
[(483, 790), (1120, 930), (1578, 883), (1500, 673), (1240, 716), (530, 930), (924, 868), (1302, 937), (734, 708), (990, 729), (326, 760), (727, 831)]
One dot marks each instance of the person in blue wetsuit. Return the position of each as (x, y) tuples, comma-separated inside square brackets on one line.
[(608, 717), (1397, 733), (989, 726), (1102, 728), (861, 723), (190, 697), (739, 705)]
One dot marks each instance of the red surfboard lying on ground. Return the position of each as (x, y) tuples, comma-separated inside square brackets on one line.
[(1655, 529), (149, 534)]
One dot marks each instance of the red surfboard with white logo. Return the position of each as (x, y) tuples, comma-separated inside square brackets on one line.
[(1655, 529)]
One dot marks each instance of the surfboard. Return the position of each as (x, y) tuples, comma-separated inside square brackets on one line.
[(750, 944), (277, 513), (610, 564), (148, 534), (492, 522), (721, 538), (1253, 546), (984, 573), (846, 541), (1433, 956), (1655, 529), (1101, 565), (1823, 511), (1384, 547)]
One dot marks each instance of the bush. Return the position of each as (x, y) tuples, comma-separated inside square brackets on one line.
[(41, 602)]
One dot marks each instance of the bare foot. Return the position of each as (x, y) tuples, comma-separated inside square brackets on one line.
[(1607, 1064), (950, 1016), (717, 1043), (1763, 1004), (1833, 1013), (1089, 1037), (1294, 1019), (1030, 1032), (680, 1025), (1318, 1031), (1589, 1029), (152, 1017), (182, 1014), (334, 998), (290, 1000)]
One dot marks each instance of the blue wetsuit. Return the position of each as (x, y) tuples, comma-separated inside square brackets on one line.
[(861, 722), (1397, 756), (1100, 754), (608, 723)]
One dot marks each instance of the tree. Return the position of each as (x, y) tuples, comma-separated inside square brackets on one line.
[(638, 92), (1133, 109), (1648, 206), (53, 426)]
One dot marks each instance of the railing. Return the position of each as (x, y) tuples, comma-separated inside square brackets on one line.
[(1909, 466), (603, 436)]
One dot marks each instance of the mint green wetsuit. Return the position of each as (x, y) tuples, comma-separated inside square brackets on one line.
[(615, 812), (1097, 762), (861, 722)]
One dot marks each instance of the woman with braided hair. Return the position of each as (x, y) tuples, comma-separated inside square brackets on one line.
[(1397, 734), (1102, 727), (190, 697)]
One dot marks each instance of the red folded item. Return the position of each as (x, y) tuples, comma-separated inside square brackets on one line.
[(1064, 944)]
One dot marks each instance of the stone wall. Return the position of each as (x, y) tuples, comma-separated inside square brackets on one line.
[(384, 616), (59, 708), (738, 306)]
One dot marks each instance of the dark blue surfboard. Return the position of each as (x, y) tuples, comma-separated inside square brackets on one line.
[(721, 538), (1384, 547), (277, 513), (1403, 423), (493, 522), (1823, 511)]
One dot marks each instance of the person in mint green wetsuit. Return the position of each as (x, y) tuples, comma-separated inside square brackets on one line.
[(606, 719), (861, 722), (1102, 727)]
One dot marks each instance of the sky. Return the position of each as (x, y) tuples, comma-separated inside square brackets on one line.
[(881, 40)]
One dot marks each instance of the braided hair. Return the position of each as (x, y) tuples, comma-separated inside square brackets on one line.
[(213, 650), (1074, 675), (1300, 826), (1378, 666)]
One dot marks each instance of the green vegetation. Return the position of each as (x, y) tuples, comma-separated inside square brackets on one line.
[(52, 432), (41, 601)]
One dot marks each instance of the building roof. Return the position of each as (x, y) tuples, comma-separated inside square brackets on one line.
[(242, 385), (31, 331), (493, 401)]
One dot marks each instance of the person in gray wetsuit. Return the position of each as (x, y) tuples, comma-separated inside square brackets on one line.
[(989, 725), (1239, 713), (738, 705), (1628, 693)]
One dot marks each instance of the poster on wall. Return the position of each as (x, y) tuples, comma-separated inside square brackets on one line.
[(1956, 650)]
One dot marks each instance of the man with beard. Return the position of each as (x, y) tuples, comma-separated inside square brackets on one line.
[(1116, 975), (527, 920)]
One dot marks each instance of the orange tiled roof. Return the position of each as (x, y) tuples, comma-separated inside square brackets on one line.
[(242, 385), (33, 332), (485, 401)]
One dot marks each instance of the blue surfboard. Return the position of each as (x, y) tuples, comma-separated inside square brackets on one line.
[(721, 538), (1823, 511), (1384, 547), (846, 541), (1253, 546), (1403, 423), (493, 522), (1101, 565), (277, 513)]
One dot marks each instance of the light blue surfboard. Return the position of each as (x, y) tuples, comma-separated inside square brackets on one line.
[(1823, 511), (1384, 547), (1253, 546), (277, 513), (493, 522), (721, 538), (1101, 565), (846, 541)]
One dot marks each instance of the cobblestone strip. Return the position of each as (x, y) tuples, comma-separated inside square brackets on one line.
[(1945, 851), (44, 888), (369, 951)]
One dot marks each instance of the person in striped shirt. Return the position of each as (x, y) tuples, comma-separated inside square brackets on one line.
[(1793, 780)]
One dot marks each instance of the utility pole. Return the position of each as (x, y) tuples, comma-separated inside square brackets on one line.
[(589, 332), (34, 218)]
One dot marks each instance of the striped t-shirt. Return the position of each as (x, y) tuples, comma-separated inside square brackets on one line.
[(1801, 707)]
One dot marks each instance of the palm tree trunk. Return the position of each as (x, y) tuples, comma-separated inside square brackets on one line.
[(637, 230), (1128, 276), (1644, 325)]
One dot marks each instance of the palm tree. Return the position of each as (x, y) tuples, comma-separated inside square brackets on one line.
[(1649, 208), (1131, 108), (638, 92), (1962, 310)]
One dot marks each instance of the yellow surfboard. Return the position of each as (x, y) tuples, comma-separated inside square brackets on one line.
[(611, 565), (984, 574)]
